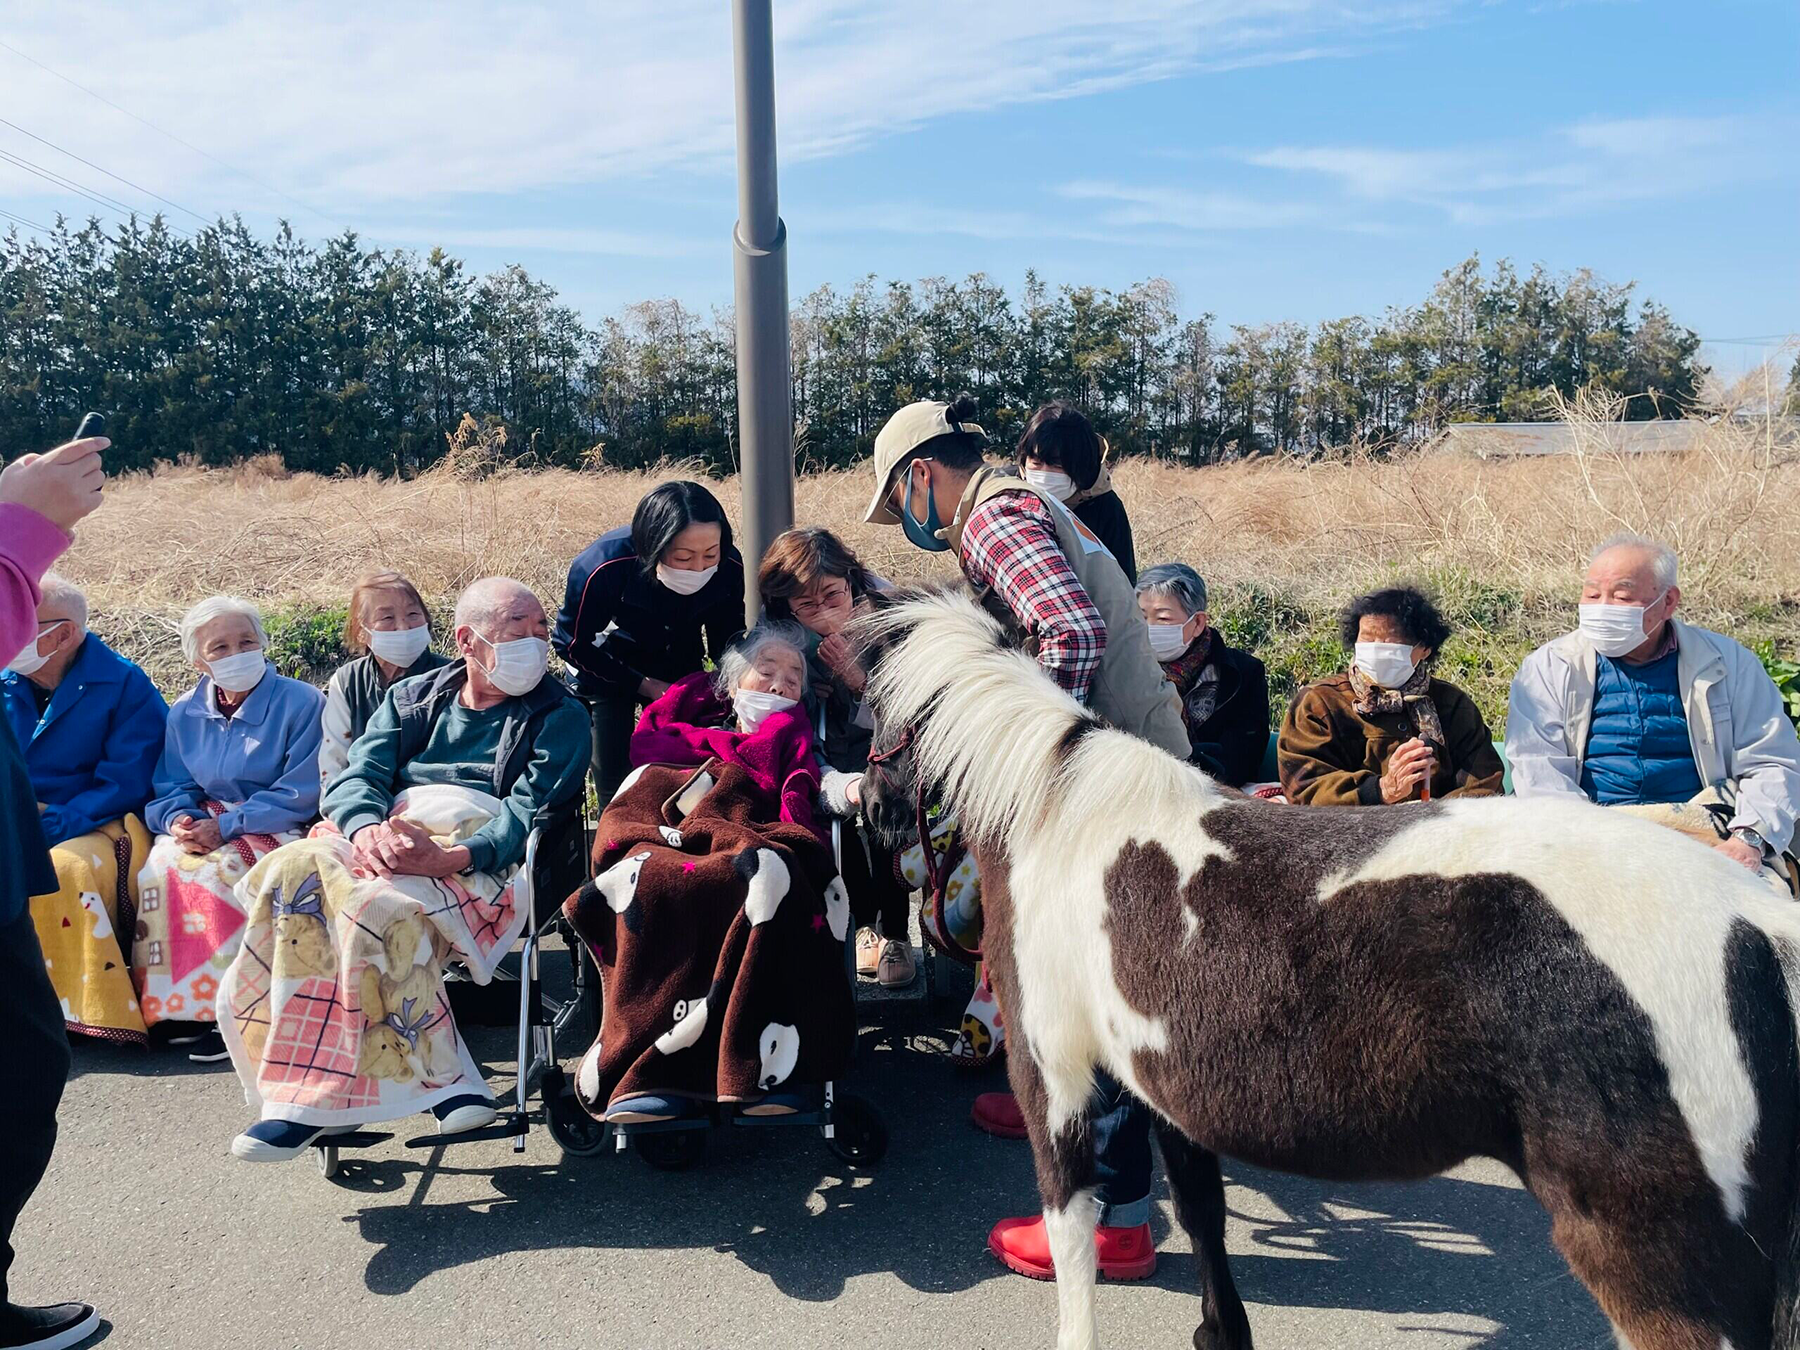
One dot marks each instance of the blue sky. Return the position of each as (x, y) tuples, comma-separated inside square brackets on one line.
[(1275, 159)]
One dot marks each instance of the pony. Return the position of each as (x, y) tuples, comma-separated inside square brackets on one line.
[(1601, 1004)]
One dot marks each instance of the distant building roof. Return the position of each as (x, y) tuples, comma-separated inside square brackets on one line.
[(1494, 440)]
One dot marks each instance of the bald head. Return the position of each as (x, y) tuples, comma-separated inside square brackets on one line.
[(1629, 569), (495, 606)]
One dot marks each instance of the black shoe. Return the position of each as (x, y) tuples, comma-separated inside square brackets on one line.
[(209, 1048), (57, 1327)]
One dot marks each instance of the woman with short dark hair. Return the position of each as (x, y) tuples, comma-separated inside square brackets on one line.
[(1386, 730), (646, 604), (1061, 453)]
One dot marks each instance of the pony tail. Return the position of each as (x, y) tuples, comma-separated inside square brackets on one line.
[(960, 409)]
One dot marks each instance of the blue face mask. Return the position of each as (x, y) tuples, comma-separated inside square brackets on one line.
[(924, 533)]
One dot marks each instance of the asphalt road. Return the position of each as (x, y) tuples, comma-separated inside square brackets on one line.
[(770, 1241)]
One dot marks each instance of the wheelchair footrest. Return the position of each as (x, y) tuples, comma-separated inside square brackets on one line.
[(354, 1139), (507, 1127)]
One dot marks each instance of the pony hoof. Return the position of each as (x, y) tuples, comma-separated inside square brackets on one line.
[(1211, 1336)]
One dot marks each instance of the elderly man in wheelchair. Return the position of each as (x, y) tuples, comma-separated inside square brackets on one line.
[(334, 1010)]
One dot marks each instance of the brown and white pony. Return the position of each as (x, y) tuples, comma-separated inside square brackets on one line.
[(1363, 993)]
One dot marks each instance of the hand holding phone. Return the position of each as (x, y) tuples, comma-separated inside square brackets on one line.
[(63, 485)]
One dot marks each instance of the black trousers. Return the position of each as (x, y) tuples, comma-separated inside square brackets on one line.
[(878, 898), (34, 1065), (614, 719)]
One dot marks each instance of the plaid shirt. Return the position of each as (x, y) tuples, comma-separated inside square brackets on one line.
[(1009, 545)]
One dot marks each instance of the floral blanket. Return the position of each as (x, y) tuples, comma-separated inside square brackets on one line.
[(719, 931), (334, 1009), (189, 923)]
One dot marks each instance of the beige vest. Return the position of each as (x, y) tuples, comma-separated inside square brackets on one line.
[(1129, 690)]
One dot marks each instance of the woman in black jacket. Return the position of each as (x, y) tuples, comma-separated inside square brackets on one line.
[(645, 606), (1224, 691), (1061, 453)]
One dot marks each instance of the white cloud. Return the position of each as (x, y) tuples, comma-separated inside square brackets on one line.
[(1130, 206), (402, 104), (544, 238), (1586, 167)]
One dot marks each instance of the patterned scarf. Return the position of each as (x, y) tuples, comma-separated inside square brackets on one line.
[(1195, 679), (1412, 698)]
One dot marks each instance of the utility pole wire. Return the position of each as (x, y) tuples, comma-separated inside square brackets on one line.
[(241, 173), (113, 204), (204, 220), (22, 221)]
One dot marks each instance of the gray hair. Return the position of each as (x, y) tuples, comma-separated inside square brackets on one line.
[(217, 607), (742, 654), (484, 602), (1174, 581), (65, 597), (1662, 557)]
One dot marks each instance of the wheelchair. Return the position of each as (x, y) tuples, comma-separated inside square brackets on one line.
[(850, 1124), (555, 863), (554, 866)]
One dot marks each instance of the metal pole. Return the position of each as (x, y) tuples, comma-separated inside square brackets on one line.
[(765, 406)]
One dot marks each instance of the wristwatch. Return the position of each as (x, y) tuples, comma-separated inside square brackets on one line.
[(1744, 834)]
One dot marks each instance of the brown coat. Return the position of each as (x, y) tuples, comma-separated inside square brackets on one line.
[(1331, 755)]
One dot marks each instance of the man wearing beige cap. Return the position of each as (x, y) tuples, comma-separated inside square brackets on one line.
[(1026, 553)]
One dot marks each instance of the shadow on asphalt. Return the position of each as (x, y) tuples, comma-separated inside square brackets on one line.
[(1439, 1247), (783, 1205)]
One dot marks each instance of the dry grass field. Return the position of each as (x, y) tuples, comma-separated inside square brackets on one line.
[(1282, 544)]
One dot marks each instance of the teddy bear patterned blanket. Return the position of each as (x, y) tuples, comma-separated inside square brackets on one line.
[(719, 931), (334, 1009)]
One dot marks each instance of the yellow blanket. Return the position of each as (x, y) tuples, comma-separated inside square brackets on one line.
[(79, 926)]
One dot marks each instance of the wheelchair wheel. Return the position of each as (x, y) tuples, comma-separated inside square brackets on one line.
[(326, 1156), (859, 1134), (672, 1150), (576, 1133)]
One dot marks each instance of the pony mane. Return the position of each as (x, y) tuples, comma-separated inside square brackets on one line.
[(1013, 754)]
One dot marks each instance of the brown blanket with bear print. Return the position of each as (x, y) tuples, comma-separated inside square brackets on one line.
[(719, 932)]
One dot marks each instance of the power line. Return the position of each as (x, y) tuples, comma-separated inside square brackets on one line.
[(22, 221), (241, 173), (204, 220), (70, 185)]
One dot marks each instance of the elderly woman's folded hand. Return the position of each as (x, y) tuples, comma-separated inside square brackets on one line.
[(197, 835)]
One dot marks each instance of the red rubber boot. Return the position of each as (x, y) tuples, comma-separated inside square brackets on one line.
[(1023, 1245)]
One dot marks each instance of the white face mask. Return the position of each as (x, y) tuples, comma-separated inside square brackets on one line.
[(753, 706), (401, 647), (29, 661), (1054, 481), (240, 672), (1168, 640), (1613, 630), (519, 665), (683, 581), (1389, 664)]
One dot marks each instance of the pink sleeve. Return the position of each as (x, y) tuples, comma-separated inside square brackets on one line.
[(29, 543)]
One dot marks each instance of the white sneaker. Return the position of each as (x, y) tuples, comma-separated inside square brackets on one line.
[(468, 1116)]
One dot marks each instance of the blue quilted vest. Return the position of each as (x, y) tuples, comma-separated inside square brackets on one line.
[(1638, 748)]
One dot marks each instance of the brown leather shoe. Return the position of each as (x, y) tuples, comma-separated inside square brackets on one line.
[(895, 970)]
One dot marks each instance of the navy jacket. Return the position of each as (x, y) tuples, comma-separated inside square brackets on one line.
[(619, 624), (92, 754)]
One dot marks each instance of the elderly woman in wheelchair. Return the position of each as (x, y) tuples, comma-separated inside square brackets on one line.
[(716, 912)]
